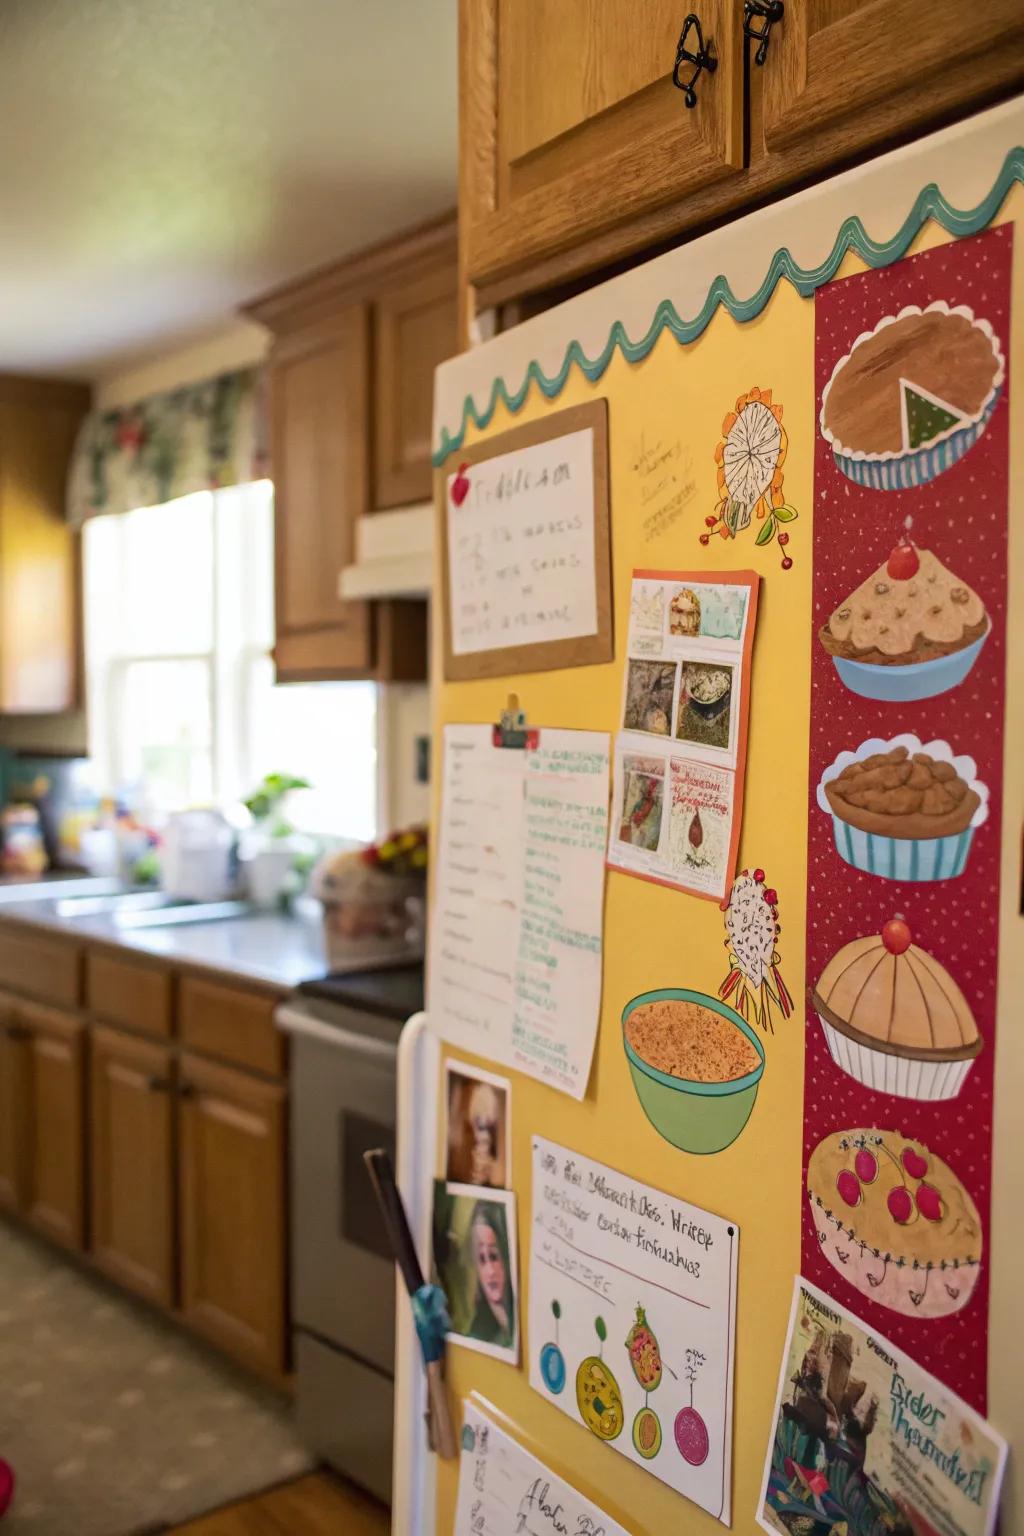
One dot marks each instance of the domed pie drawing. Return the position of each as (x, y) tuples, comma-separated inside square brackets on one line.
[(895, 1221), (894, 1018), (912, 396)]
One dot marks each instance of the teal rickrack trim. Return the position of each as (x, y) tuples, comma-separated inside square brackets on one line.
[(852, 236)]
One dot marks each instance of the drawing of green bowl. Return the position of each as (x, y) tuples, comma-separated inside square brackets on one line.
[(693, 1116)]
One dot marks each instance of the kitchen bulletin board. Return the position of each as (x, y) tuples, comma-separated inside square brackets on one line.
[(679, 402)]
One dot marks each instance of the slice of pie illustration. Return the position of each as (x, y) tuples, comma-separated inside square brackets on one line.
[(912, 396), (895, 1221)]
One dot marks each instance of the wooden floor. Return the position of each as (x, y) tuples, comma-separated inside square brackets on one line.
[(317, 1505)]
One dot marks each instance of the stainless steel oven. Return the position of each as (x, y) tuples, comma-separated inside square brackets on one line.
[(343, 1084)]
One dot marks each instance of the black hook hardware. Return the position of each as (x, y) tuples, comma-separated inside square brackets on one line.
[(701, 59), (768, 12)]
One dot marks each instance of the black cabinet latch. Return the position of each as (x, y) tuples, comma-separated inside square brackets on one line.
[(701, 58), (768, 12)]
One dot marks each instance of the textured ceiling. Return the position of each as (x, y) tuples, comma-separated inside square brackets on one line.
[(163, 160)]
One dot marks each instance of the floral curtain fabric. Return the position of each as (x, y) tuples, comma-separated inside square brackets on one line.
[(197, 438)]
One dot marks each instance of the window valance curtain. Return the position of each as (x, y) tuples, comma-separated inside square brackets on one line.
[(196, 438)]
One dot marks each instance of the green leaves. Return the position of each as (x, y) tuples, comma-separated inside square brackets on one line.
[(556, 1309), (770, 526), (600, 1328)]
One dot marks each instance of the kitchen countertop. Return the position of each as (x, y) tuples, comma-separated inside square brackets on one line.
[(258, 946)]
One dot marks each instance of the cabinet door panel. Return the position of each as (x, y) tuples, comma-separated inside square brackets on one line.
[(232, 1149), (571, 123), (131, 1189), (15, 1066), (57, 1123), (416, 328), (841, 75), (320, 380)]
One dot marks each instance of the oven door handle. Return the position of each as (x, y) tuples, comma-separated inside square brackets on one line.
[(294, 1022)]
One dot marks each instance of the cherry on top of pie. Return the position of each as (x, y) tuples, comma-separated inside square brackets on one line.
[(893, 618), (911, 380)]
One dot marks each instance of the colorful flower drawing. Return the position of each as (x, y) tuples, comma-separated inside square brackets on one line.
[(750, 457)]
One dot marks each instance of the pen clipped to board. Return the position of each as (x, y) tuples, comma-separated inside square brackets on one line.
[(428, 1301)]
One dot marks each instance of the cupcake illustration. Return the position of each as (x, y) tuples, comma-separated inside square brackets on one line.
[(911, 631), (904, 810), (894, 1018)]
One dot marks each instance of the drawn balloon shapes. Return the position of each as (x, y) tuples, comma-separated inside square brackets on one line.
[(597, 1393), (690, 1430), (552, 1361)]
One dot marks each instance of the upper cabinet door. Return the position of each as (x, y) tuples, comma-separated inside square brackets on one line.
[(571, 124), (841, 76), (416, 327), (320, 379)]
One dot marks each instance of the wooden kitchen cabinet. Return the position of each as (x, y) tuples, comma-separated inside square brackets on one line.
[(577, 153), (415, 328), (55, 1112), (232, 1211), (571, 124), (131, 1184), (15, 1064), (319, 430), (39, 610), (844, 76), (351, 370)]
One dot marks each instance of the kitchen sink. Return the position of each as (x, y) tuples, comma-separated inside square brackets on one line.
[(147, 909)]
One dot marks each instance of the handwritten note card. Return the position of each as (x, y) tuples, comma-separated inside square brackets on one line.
[(681, 754), (515, 956), (504, 1491), (632, 1320), (527, 582)]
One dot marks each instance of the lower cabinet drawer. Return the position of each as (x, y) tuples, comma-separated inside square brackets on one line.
[(32, 962), (229, 1022), (128, 992)]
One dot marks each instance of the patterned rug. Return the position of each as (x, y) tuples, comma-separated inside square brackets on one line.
[(116, 1423)]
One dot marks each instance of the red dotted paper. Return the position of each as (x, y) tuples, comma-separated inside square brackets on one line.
[(962, 516)]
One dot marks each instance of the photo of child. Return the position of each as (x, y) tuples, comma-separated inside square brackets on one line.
[(478, 1130), (475, 1265)]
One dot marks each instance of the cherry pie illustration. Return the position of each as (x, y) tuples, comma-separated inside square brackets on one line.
[(895, 1221)]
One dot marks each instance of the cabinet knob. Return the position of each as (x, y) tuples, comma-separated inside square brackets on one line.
[(186, 1090), (767, 12), (158, 1084), (17, 1032), (699, 56)]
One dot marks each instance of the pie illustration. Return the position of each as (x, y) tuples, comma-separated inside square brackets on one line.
[(904, 810), (912, 396), (895, 1221), (911, 631), (894, 1018)]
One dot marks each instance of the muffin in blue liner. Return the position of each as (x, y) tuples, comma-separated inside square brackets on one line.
[(912, 396), (912, 630), (902, 809)]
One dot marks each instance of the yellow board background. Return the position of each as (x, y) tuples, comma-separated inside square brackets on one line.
[(654, 936)]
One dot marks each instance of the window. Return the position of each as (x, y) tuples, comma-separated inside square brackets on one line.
[(179, 621)]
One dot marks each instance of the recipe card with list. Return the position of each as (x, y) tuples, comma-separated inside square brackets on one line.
[(514, 969)]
